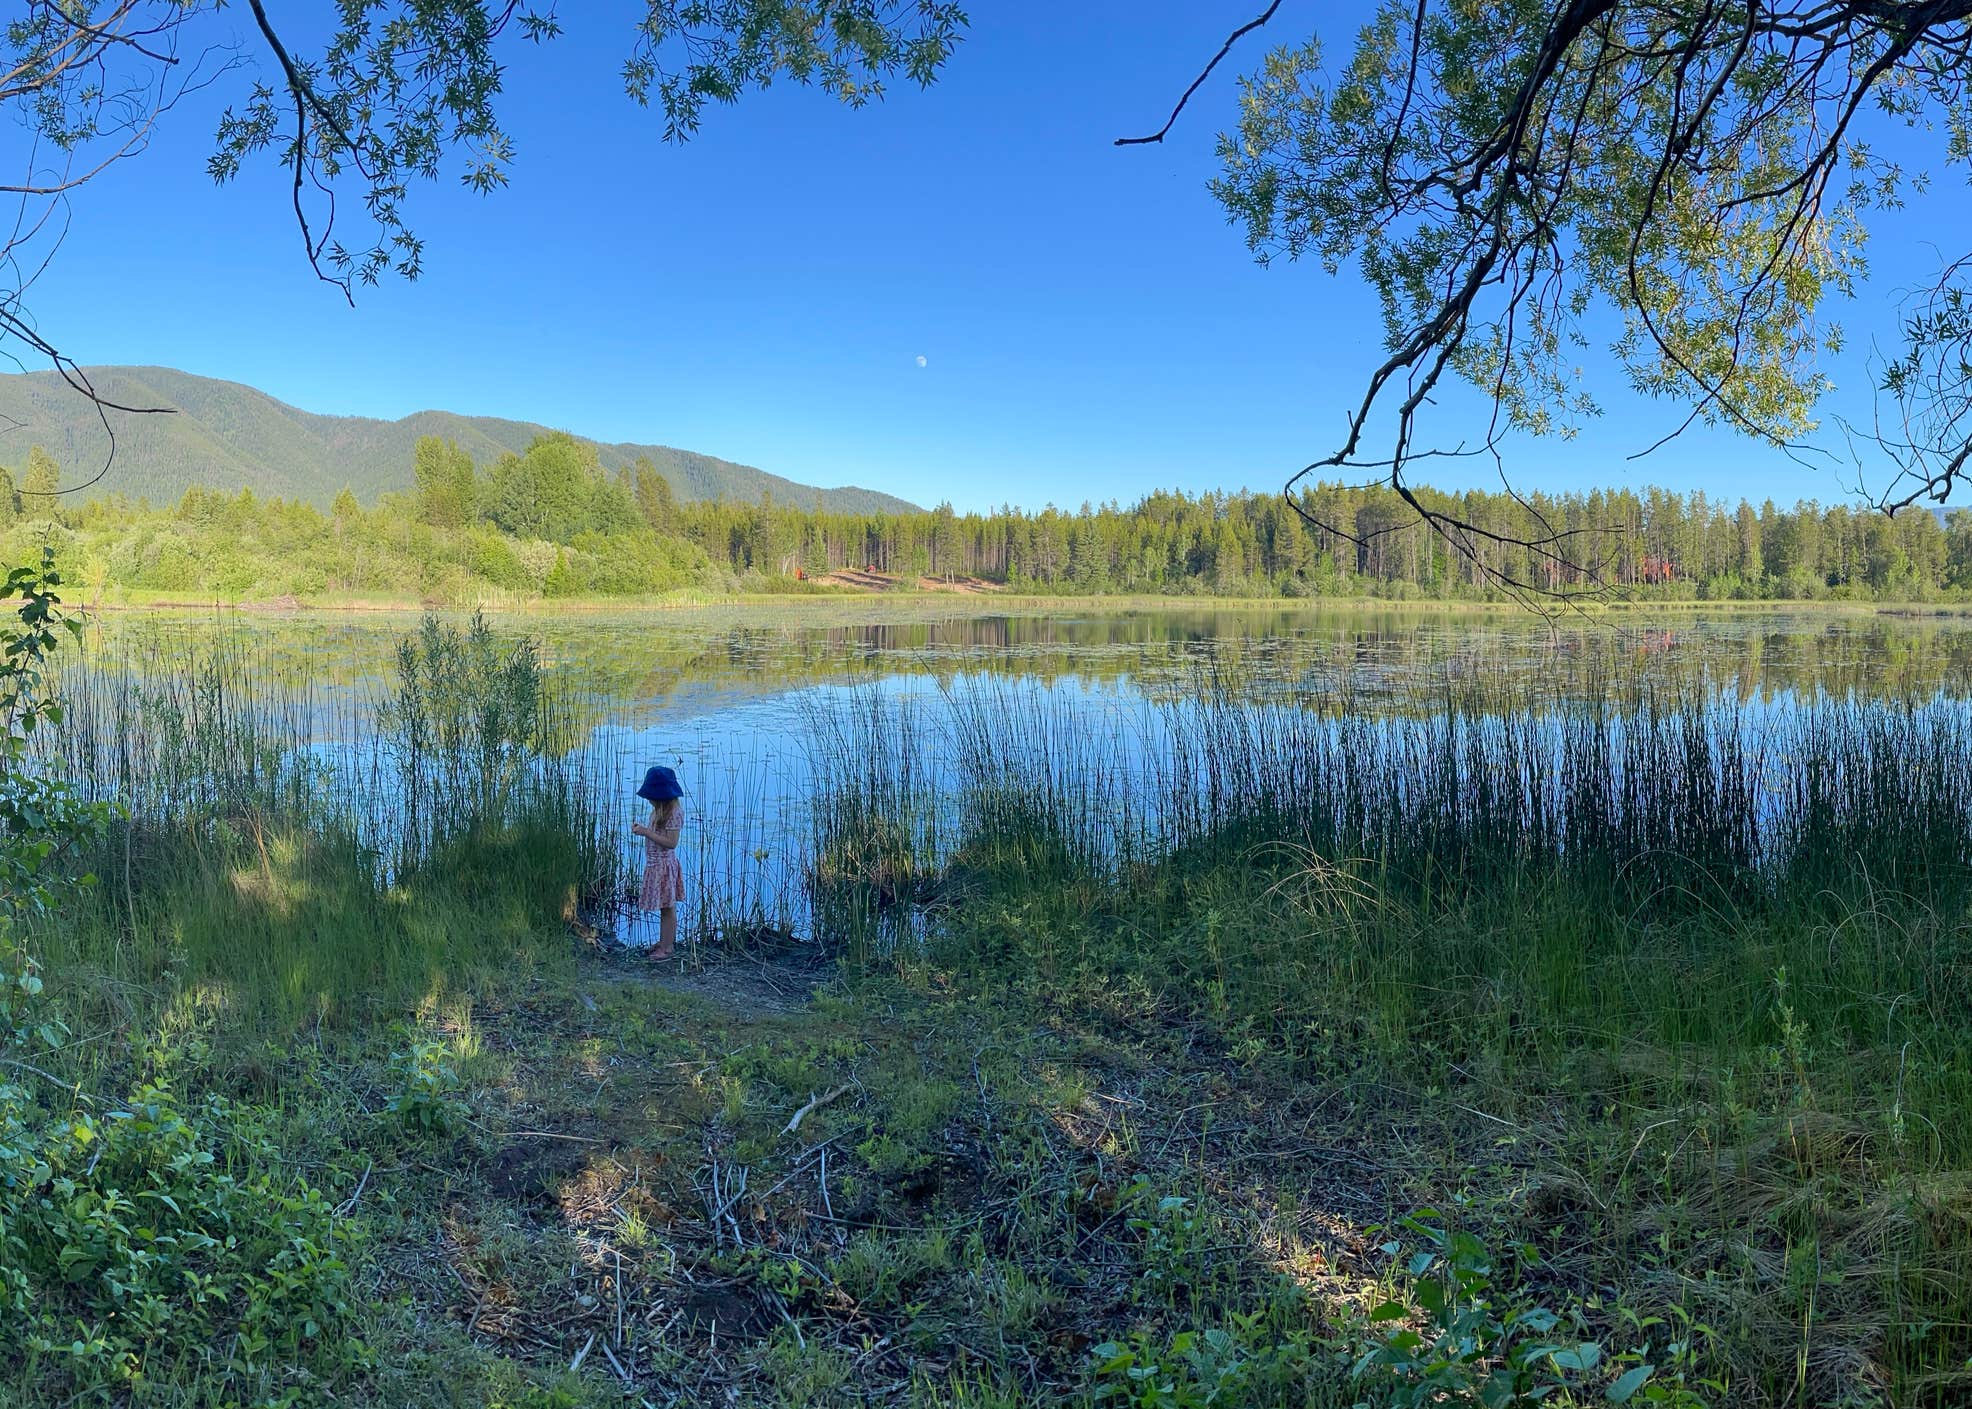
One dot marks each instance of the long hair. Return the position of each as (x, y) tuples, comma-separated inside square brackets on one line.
[(662, 813)]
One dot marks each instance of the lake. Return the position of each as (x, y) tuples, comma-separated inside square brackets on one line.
[(749, 701)]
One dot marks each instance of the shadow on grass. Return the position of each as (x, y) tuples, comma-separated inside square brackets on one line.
[(275, 927)]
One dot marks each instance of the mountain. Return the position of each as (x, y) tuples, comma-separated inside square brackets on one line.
[(227, 436)]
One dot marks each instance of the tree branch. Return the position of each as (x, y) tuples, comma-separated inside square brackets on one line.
[(1224, 49)]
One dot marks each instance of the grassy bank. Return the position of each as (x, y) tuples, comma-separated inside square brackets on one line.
[(1551, 1053)]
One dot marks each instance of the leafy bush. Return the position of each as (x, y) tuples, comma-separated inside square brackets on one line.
[(1175, 1245), (1196, 1369), (41, 818), (426, 1099), (569, 576), (1462, 1338), (464, 722), (145, 1235), (491, 556), (136, 1234)]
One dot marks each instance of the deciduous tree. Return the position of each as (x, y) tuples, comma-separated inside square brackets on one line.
[(1687, 182), (548, 493), (41, 483), (443, 474), (654, 497)]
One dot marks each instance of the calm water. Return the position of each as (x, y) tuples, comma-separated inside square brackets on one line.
[(732, 697)]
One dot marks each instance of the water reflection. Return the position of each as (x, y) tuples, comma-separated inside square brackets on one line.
[(657, 663)]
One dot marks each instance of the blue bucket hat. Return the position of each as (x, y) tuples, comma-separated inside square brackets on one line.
[(660, 785)]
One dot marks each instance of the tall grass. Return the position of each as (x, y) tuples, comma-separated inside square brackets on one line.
[(874, 846), (1695, 799), (1704, 968), (289, 851)]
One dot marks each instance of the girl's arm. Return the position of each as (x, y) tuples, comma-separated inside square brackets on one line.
[(665, 836)]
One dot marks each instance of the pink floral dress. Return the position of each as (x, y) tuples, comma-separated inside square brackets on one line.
[(664, 878)]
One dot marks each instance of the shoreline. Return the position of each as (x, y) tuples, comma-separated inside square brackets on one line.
[(973, 604)]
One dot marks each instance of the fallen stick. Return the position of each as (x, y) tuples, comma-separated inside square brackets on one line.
[(349, 1204), (67, 1086), (582, 1354), (815, 1103)]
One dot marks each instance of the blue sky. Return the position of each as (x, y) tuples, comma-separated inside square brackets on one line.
[(1090, 326)]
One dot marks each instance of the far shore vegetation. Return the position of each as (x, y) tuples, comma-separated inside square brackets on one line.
[(553, 525)]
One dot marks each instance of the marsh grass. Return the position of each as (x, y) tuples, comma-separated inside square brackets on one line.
[(289, 853), (1705, 968), (272, 928), (1681, 802)]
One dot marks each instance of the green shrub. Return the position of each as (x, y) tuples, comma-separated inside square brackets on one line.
[(1196, 1369), (1463, 1337), (492, 556), (145, 1236), (569, 576), (426, 1099)]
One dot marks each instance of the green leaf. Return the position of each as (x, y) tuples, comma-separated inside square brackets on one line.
[(1111, 1357), (1585, 1356), (1431, 1295), (1629, 1383)]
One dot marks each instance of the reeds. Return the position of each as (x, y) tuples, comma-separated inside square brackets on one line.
[(1637, 796), (469, 734), (901, 799), (302, 847)]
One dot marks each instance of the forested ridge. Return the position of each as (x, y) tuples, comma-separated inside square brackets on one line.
[(555, 522), (225, 435)]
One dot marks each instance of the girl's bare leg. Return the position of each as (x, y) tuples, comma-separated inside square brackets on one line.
[(667, 933)]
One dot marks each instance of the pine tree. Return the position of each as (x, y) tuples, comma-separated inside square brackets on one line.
[(1752, 567)]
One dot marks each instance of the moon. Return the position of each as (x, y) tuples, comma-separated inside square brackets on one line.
[(920, 359)]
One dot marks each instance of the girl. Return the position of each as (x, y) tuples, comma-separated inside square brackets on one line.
[(664, 879)]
